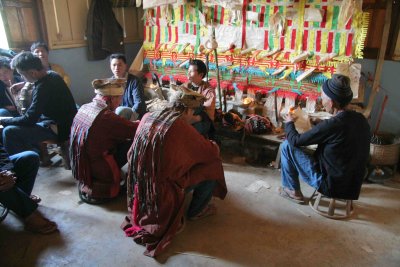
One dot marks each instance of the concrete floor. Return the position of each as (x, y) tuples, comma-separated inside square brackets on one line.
[(252, 228)]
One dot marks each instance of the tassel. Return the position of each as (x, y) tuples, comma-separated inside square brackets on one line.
[(278, 71), (305, 74)]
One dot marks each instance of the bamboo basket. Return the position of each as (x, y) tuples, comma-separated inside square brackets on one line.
[(384, 154)]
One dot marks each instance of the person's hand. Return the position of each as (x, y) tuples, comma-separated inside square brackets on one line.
[(290, 117), (16, 87), (7, 180)]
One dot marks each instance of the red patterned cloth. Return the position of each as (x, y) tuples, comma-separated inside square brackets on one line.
[(168, 155), (96, 135)]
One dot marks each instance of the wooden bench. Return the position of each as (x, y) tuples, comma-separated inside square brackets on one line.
[(269, 141)]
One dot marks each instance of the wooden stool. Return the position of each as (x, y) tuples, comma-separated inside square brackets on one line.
[(62, 150), (317, 201)]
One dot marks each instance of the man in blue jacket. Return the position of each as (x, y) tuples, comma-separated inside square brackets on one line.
[(337, 167), (133, 99)]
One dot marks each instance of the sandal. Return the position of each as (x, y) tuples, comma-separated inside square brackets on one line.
[(209, 210), (285, 194), (90, 200), (35, 198)]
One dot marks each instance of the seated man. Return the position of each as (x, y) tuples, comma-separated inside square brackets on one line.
[(8, 106), (50, 115), (17, 177), (41, 50), (100, 140), (196, 73), (133, 101), (169, 157), (337, 167)]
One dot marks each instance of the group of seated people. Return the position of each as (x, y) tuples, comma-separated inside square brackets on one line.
[(36, 105), (169, 151)]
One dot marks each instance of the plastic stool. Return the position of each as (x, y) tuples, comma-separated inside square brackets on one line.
[(329, 210)]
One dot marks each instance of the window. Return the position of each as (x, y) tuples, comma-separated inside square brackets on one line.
[(22, 24), (377, 10)]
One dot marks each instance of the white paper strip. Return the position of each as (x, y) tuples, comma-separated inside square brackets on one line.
[(257, 185)]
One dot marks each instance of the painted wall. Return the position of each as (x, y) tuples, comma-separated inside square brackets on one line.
[(82, 72), (390, 84)]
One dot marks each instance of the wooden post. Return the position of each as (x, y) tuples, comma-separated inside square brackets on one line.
[(381, 59), (217, 68)]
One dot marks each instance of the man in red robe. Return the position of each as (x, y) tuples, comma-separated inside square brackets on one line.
[(169, 158), (99, 143)]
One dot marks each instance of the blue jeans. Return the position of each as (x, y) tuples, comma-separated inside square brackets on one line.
[(22, 138), (127, 113), (296, 163), (6, 113), (26, 166), (202, 194)]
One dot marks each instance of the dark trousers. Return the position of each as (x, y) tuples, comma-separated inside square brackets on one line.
[(202, 194), (26, 166)]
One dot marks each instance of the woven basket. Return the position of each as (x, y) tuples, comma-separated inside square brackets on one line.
[(384, 154)]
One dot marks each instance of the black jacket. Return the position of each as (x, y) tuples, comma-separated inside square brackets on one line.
[(104, 34), (51, 98), (342, 153)]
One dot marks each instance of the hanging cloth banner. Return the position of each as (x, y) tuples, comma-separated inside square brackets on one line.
[(153, 3), (158, 34), (299, 34), (197, 45)]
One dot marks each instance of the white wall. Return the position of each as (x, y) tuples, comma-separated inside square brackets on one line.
[(82, 72), (390, 83)]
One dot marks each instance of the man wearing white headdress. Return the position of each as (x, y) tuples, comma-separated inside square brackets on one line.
[(99, 142)]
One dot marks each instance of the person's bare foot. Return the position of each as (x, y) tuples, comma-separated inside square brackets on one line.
[(37, 223)]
